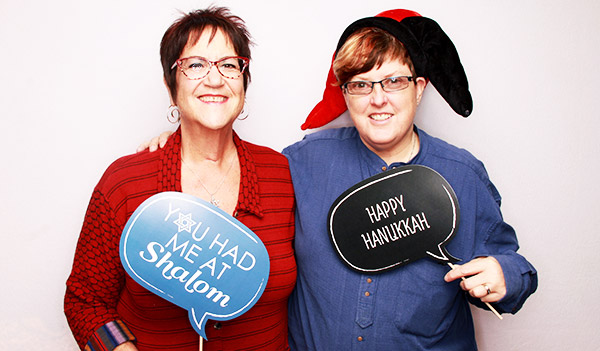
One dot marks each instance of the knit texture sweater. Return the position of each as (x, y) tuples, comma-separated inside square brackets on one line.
[(105, 307)]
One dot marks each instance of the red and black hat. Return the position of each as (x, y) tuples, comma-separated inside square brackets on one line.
[(432, 52)]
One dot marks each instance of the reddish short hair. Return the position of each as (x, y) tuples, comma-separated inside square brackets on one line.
[(365, 49), (188, 29)]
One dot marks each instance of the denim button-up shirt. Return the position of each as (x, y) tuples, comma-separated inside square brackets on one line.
[(411, 307)]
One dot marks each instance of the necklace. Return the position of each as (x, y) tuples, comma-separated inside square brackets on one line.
[(213, 200)]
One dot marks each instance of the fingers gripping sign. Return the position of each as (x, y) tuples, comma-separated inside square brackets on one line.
[(481, 278), (484, 274)]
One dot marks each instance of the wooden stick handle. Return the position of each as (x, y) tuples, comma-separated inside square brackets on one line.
[(486, 303)]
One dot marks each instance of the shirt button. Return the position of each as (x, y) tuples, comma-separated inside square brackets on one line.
[(383, 168), (369, 280), (360, 338), (218, 326), (367, 294)]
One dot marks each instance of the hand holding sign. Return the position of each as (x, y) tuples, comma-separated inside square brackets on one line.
[(196, 256), (395, 218)]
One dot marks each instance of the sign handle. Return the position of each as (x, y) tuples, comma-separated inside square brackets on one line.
[(486, 303), (201, 342)]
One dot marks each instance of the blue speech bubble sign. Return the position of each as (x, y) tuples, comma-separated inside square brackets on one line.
[(394, 218), (196, 256)]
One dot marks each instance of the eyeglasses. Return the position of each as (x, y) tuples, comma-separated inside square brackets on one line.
[(391, 84), (196, 67)]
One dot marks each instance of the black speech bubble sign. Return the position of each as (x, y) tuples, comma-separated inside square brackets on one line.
[(394, 218)]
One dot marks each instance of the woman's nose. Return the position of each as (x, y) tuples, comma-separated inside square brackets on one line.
[(214, 77), (378, 95)]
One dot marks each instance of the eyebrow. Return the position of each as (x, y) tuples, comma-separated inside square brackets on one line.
[(359, 78)]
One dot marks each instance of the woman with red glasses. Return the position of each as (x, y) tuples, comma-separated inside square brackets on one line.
[(205, 57)]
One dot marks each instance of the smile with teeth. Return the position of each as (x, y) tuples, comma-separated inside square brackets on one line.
[(212, 98), (380, 116)]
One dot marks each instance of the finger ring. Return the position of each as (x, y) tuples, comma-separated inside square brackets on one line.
[(487, 288)]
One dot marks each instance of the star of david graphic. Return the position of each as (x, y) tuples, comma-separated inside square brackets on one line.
[(184, 222)]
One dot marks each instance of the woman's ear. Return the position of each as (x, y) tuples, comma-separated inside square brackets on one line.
[(420, 83)]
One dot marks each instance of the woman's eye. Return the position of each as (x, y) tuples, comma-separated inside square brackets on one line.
[(228, 66), (196, 65)]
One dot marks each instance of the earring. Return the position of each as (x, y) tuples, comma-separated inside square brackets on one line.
[(173, 114)]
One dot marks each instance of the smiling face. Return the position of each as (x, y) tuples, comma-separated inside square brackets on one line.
[(213, 102), (384, 120)]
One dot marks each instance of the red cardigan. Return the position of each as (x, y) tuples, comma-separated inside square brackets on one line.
[(101, 295)]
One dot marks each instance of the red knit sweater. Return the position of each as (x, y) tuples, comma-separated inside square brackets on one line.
[(100, 292)]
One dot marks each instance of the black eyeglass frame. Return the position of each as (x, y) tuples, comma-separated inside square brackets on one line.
[(383, 86)]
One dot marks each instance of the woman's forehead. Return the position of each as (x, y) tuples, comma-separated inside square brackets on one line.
[(209, 39), (389, 67)]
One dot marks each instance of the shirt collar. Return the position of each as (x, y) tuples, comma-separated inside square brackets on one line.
[(170, 173), (375, 164), (248, 197)]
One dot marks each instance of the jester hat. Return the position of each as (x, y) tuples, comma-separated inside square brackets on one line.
[(433, 55)]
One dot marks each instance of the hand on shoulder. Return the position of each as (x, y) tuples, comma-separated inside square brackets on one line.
[(155, 143)]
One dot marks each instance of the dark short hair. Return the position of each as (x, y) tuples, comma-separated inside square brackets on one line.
[(188, 29), (365, 49)]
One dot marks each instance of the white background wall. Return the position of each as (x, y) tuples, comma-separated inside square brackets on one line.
[(80, 85)]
